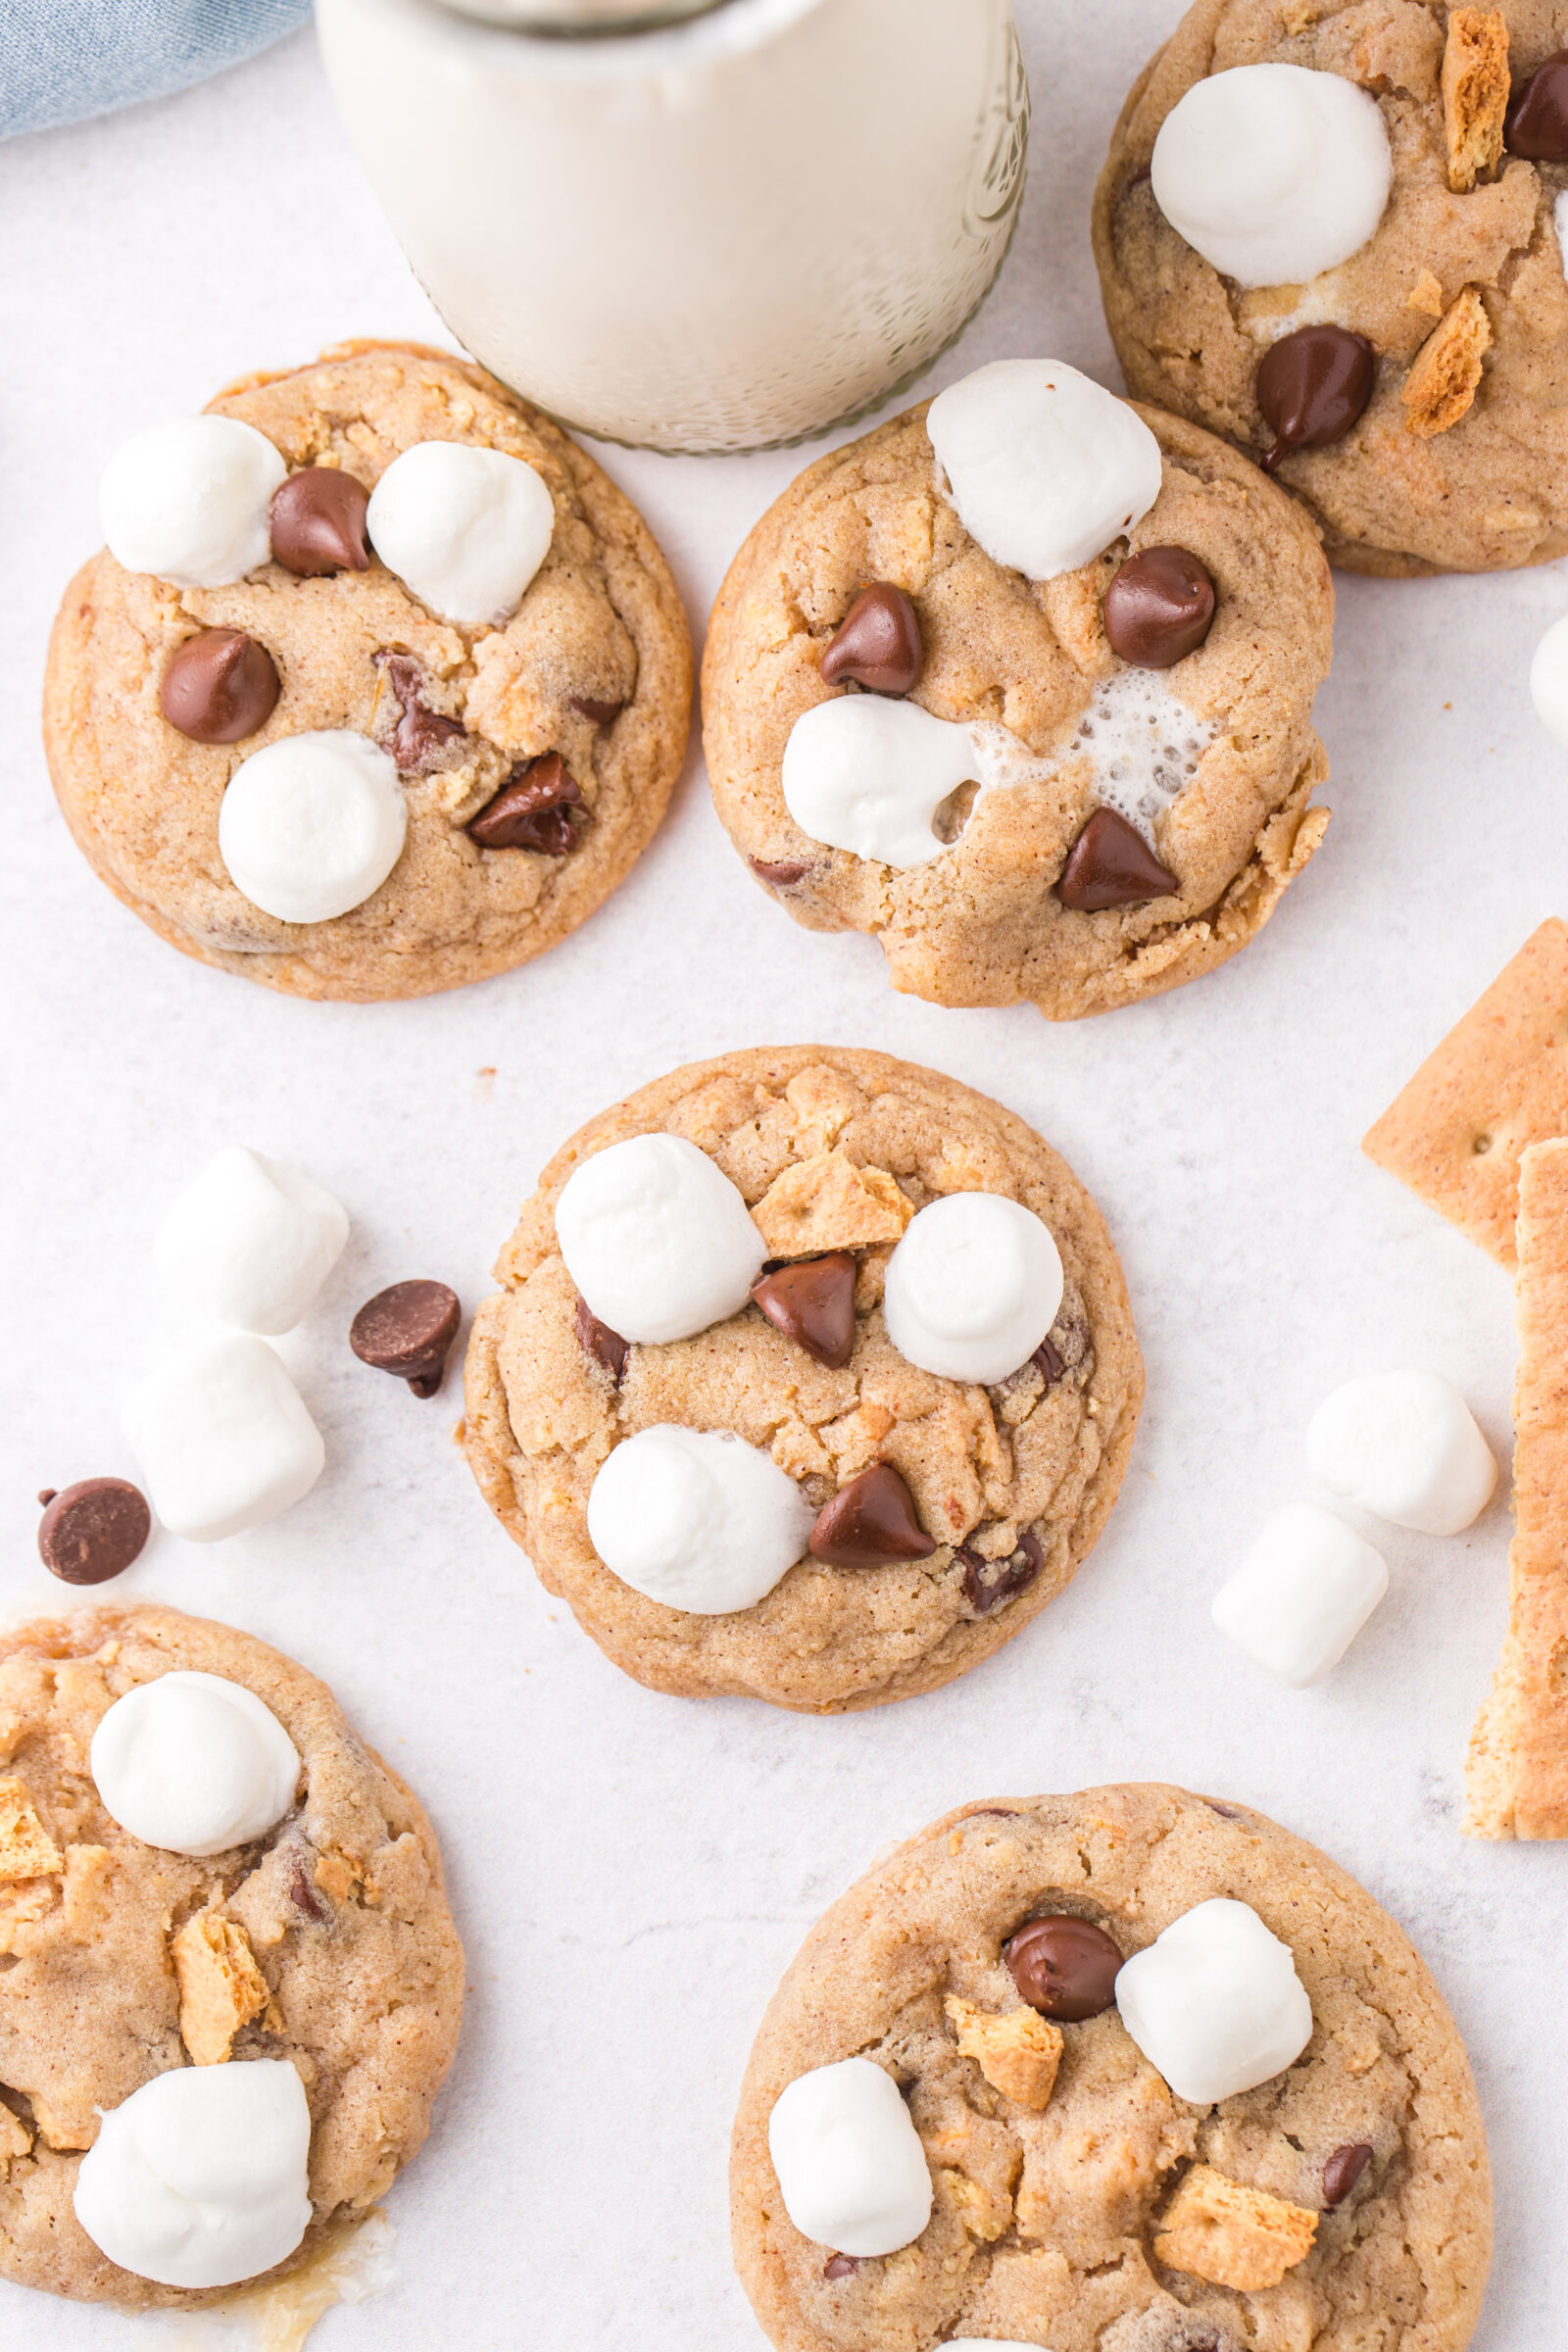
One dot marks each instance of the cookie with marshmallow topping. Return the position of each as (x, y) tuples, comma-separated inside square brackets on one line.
[(1130, 2069), (378, 686), (810, 1377), (1021, 684), (236, 1988)]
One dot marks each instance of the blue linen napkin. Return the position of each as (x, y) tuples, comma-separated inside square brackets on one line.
[(62, 59)]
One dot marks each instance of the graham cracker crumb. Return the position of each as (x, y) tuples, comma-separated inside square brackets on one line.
[(1426, 295), (220, 1986), (1018, 2054), (1475, 94), (827, 1203), (86, 1890), (1445, 375), (1238, 2238), (26, 1850)]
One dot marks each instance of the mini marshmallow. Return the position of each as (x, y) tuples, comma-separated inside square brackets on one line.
[(1301, 1594), (1216, 2004), (973, 1288), (697, 1519), (658, 1239), (867, 773), (465, 528), (1273, 172), (223, 1438), (1406, 1445), (194, 1763), (188, 501), (1548, 676), (250, 1242), (201, 2178), (1046, 468), (312, 825), (849, 2160)]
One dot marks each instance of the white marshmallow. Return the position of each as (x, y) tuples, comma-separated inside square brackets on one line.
[(1046, 468), (697, 1519), (1404, 1445), (867, 773), (1559, 222), (1548, 675), (1273, 172), (223, 1438), (1302, 1594), (465, 528), (313, 824), (656, 1239), (973, 1288), (201, 2178), (187, 500), (250, 1242), (194, 1763), (849, 2161), (1216, 2004)]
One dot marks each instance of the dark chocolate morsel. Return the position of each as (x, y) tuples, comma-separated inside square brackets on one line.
[(988, 1585), (531, 810), (219, 686), (421, 734), (47, 1494), (318, 519), (94, 1530), (1312, 386), (813, 1304), (1344, 2169), (607, 1347), (1112, 864), (303, 1895), (1064, 1966), (597, 714), (406, 1331), (1159, 608), (870, 1522), (781, 875), (840, 2266), (1537, 122), (1049, 1362), (877, 643)]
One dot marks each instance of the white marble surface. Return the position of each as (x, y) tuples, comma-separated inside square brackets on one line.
[(631, 1873)]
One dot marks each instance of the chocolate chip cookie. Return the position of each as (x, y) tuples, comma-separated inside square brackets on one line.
[(326, 1941), (1074, 2197), (1408, 392), (502, 776), (799, 1506)]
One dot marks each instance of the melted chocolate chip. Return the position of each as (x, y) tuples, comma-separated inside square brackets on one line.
[(219, 686), (1049, 1364), (531, 810), (1312, 386), (47, 1494), (406, 1331), (1159, 608), (840, 2266), (870, 1522), (813, 1304), (598, 714), (877, 643), (93, 1530), (607, 1347), (421, 734), (318, 519), (1064, 1967), (1537, 123), (988, 1585), (303, 1895), (780, 877), (1344, 2169), (1112, 864)]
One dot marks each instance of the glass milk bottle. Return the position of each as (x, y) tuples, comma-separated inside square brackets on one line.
[(692, 225)]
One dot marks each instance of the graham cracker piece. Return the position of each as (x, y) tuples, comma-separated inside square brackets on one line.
[(1426, 295), (1475, 94), (1218, 2230), (1498, 1083), (26, 1850), (1445, 377), (220, 1986), (1017, 2052), (826, 1203), (1516, 1773)]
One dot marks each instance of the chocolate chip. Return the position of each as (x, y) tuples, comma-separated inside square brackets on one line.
[(870, 1522), (1112, 864), (317, 519), (47, 1494), (813, 1304), (780, 875), (840, 2266), (988, 1585), (303, 1895), (1049, 1364), (1537, 123), (1159, 608), (1064, 1966), (1344, 2169), (94, 1530), (1312, 386), (877, 643), (531, 810), (219, 686), (607, 1347), (598, 714), (406, 1331), (421, 734)]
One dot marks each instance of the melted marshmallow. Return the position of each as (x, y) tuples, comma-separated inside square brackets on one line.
[(697, 1519), (465, 528), (1406, 1445), (1216, 2004), (658, 1239), (867, 773), (1144, 744), (194, 1763), (973, 1288), (223, 1438), (849, 2161), (312, 825), (188, 501), (250, 1242)]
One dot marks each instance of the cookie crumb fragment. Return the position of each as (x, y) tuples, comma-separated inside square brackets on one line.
[(1475, 94), (1017, 2052), (827, 1203), (26, 1850), (220, 1986), (1445, 375), (1234, 2236)]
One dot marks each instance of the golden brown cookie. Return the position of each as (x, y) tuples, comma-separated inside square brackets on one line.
[(1343, 2203), (833, 1150), (594, 667), (328, 1943)]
